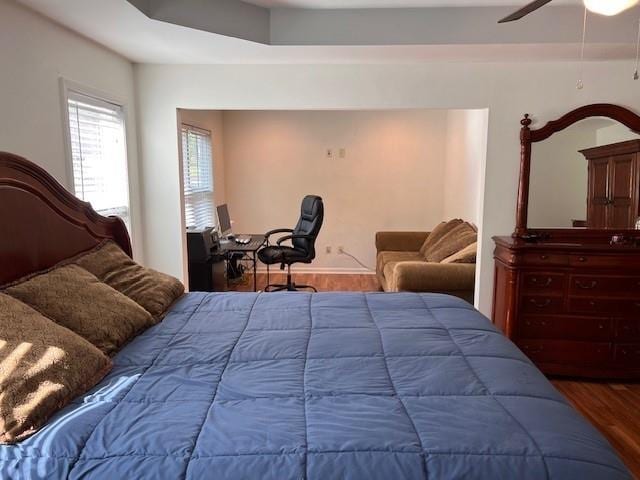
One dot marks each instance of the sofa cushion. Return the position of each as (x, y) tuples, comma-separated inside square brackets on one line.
[(466, 255), (438, 232), (77, 300), (154, 291), (384, 258), (44, 366), (453, 241)]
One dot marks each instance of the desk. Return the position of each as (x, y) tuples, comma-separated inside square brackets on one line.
[(248, 251)]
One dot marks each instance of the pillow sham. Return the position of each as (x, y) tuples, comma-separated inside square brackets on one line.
[(466, 255), (454, 241), (44, 367), (437, 233), (154, 291), (77, 300)]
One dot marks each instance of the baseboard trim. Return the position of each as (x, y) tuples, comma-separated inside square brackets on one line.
[(321, 270)]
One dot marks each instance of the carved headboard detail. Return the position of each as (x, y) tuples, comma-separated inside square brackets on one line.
[(41, 223)]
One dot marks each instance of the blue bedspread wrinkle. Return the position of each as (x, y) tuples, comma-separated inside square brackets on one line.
[(318, 386)]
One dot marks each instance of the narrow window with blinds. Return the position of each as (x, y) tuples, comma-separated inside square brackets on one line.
[(99, 154), (197, 177)]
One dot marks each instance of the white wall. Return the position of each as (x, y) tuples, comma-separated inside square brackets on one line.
[(466, 154), (559, 177), (614, 133), (390, 179), (545, 89), (34, 54)]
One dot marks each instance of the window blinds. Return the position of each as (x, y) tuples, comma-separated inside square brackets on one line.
[(99, 154), (198, 177)]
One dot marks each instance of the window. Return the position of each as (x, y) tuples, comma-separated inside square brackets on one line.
[(198, 177), (99, 154)]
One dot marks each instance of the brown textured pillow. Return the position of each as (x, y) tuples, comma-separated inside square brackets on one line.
[(454, 241), (438, 232), (154, 291), (466, 255), (77, 300), (44, 366)]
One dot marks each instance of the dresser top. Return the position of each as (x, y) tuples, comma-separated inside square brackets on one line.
[(593, 245)]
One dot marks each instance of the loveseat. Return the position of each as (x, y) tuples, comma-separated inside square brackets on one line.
[(420, 262)]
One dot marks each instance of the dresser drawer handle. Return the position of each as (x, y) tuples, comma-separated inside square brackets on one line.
[(547, 282), (582, 259), (585, 286), (543, 257), (529, 349), (600, 326), (544, 304)]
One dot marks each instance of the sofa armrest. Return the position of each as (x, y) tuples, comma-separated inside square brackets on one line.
[(400, 241), (433, 277)]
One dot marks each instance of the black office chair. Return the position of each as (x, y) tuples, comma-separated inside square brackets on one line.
[(302, 249)]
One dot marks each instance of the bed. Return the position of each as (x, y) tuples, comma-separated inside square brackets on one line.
[(292, 385)]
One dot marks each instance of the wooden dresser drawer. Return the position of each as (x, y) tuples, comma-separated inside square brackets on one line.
[(628, 329), (604, 306), (604, 261), (596, 285), (566, 352), (541, 259), (566, 327), (535, 282), (628, 354), (542, 304)]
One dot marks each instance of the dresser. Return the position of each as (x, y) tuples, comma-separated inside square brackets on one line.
[(572, 308)]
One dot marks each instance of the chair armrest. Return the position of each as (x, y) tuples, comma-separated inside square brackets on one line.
[(434, 277), (278, 230), (400, 241), (291, 237)]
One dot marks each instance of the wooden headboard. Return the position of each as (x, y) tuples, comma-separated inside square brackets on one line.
[(41, 223)]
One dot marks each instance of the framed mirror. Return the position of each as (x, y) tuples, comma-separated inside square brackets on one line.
[(580, 174)]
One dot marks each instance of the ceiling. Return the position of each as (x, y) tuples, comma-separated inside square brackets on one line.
[(337, 4), (392, 35)]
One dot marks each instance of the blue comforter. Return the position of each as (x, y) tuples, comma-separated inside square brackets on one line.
[(324, 386)]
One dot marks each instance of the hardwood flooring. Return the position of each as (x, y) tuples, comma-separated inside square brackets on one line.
[(613, 408), (323, 282)]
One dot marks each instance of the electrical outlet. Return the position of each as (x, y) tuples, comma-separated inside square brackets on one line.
[(328, 248), (340, 249), (343, 153), (329, 153)]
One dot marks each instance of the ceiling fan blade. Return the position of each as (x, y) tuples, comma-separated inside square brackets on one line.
[(526, 10)]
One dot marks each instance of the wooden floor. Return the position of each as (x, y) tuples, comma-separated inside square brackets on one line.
[(323, 282), (613, 408)]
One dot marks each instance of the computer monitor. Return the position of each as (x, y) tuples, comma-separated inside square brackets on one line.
[(224, 221)]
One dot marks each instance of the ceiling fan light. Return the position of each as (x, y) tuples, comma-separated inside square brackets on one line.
[(609, 7)]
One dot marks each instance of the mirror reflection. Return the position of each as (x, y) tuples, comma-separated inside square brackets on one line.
[(586, 176)]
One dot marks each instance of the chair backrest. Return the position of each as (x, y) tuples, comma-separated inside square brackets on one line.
[(311, 217)]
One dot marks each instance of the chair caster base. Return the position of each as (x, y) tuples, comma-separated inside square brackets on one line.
[(291, 287)]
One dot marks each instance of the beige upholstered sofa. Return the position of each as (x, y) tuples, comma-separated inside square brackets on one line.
[(404, 264)]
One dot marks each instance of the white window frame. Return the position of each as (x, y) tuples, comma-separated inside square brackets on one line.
[(67, 88), (203, 131)]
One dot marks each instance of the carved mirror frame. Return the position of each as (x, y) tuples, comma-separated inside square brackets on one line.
[(528, 136)]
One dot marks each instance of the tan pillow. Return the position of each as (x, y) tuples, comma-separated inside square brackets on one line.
[(44, 366), (154, 291), (77, 300), (438, 232), (466, 255), (454, 241)]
